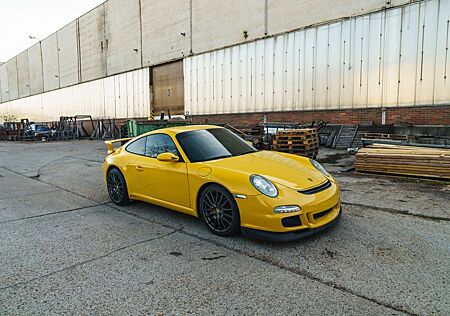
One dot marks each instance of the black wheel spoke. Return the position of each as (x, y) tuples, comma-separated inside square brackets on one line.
[(209, 201), (228, 221)]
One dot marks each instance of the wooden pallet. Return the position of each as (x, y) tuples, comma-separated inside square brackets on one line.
[(296, 141), (299, 141), (385, 136), (404, 160)]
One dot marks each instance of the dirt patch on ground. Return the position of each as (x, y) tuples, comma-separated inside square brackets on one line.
[(333, 158)]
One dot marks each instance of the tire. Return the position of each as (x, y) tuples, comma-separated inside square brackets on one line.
[(219, 211), (117, 187)]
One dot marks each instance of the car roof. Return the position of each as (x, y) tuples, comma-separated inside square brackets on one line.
[(184, 128)]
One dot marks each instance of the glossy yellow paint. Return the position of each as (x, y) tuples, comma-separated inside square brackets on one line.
[(176, 184)]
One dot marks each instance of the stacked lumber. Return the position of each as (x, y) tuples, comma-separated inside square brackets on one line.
[(404, 160), (303, 142)]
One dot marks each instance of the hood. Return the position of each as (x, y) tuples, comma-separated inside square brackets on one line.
[(294, 172)]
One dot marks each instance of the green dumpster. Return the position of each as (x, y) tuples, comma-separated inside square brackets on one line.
[(139, 128)]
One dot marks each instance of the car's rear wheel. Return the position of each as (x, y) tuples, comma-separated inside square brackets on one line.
[(117, 187), (219, 211)]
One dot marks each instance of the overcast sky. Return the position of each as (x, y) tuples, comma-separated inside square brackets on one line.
[(40, 18)]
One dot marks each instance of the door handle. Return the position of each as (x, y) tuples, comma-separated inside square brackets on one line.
[(139, 168)]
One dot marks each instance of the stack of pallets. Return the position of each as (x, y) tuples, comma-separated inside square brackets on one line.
[(404, 160), (303, 142)]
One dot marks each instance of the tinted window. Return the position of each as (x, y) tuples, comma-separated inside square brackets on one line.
[(137, 147), (42, 128), (212, 144), (158, 144)]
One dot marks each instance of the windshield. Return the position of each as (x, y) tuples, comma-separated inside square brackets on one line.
[(214, 143), (42, 128)]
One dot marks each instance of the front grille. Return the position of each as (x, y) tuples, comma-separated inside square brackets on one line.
[(317, 189), (320, 214), (291, 221)]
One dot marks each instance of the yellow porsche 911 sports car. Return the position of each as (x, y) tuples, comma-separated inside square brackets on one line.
[(208, 171)]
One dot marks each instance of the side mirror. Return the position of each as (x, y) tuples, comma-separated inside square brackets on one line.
[(168, 157)]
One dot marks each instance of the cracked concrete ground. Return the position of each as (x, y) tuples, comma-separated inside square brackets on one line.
[(65, 249)]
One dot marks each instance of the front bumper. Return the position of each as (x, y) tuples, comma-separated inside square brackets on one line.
[(317, 210), (289, 236)]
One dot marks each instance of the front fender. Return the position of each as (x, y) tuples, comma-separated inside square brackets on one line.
[(236, 182)]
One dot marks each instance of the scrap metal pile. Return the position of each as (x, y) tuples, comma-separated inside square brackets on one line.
[(404, 160), (67, 128)]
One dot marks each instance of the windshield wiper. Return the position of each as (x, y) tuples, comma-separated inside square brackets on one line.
[(218, 157), (247, 152)]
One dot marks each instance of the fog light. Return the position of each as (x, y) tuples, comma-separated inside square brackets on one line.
[(287, 209)]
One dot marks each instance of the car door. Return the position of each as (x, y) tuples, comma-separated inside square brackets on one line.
[(135, 150), (165, 181)]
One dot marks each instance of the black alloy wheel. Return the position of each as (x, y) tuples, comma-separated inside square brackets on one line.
[(219, 211), (117, 187)]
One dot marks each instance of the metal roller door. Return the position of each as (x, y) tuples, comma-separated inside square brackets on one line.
[(168, 89)]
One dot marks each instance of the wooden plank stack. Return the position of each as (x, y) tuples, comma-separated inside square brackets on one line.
[(303, 142), (404, 160)]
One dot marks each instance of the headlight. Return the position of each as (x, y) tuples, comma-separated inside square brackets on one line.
[(264, 186), (319, 167)]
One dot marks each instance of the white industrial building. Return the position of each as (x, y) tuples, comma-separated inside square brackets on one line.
[(213, 58)]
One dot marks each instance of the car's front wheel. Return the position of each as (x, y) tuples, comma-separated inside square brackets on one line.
[(219, 211), (117, 187)]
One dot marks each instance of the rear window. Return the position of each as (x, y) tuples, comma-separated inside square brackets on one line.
[(137, 147)]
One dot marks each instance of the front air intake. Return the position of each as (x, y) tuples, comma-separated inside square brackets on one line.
[(317, 189)]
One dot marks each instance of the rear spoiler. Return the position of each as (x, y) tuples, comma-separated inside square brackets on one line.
[(110, 146)]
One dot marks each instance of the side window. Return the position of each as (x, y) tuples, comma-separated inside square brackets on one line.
[(158, 144), (137, 147)]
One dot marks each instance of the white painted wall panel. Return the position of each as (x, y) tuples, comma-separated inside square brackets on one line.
[(13, 88), (165, 30), (120, 96), (23, 75), (35, 69), (310, 69), (442, 68), (391, 57), (370, 61), (50, 63), (124, 36), (109, 96), (361, 58), (93, 44), (335, 65), (347, 73), (375, 59), (427, 51), (321, 68), (4, 83), (68, 51)]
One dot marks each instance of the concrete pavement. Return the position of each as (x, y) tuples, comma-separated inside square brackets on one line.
[(65, 249)]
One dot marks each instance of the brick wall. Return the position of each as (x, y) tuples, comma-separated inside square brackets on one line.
[(423, 115)]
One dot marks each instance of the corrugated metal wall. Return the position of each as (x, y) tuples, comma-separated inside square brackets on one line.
[(392, 58), (122, 96), (124, 35)]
